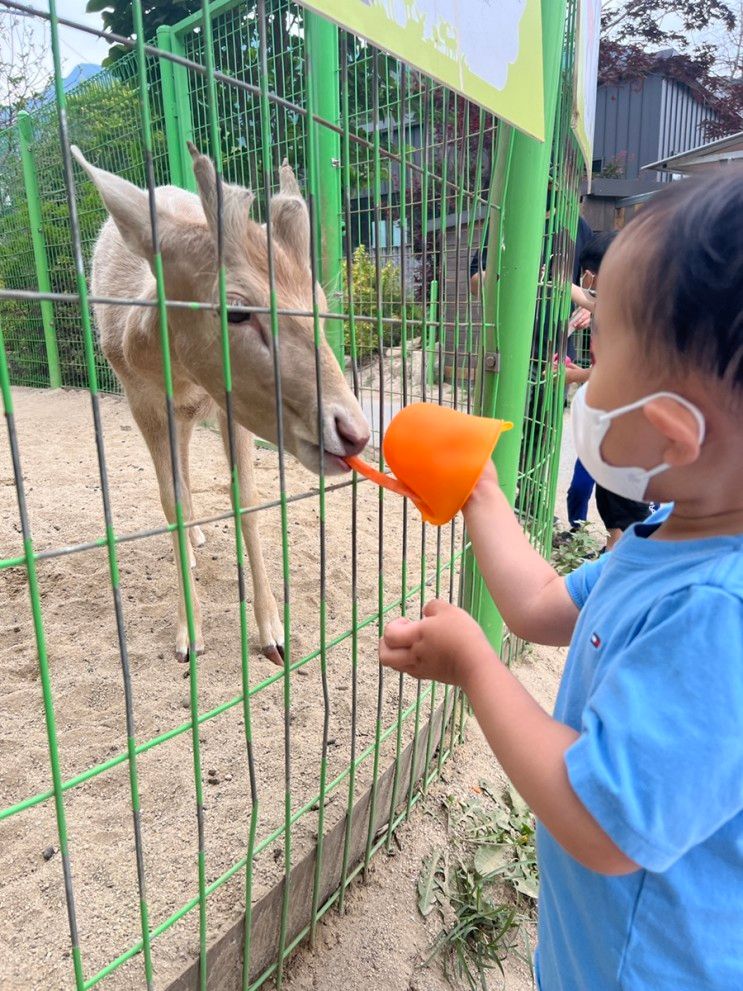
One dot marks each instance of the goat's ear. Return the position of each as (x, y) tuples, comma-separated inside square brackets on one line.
[(290, 219), (127, 204), (236, 200)]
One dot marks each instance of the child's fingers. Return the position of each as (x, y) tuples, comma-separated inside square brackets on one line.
[(394, 657), (434, 607), (401, 633)]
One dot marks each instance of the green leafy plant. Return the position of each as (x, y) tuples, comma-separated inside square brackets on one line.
[(477, 931), (573, 549), (483, 884), (103, 116), (365, 301), (501, 836)]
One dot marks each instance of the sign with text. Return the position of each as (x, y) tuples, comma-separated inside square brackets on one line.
[(490, 51)]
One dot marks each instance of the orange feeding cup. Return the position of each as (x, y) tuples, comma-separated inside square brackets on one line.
[(437, 455)]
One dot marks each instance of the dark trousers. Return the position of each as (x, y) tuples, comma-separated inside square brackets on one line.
[(579, 494)]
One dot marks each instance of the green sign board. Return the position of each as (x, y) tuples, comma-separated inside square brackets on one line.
[(488, 50), (586, 74)]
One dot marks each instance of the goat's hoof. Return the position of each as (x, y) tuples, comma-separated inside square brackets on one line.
[(197, 537), (275, 653), (182, 655)]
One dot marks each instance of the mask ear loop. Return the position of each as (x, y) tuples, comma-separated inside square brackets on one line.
[(681, 400)]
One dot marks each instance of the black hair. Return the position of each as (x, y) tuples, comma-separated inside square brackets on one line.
[(593, 253), (689, 263)]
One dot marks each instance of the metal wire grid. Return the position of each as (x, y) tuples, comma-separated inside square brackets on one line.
[(103, 115), (432, 224), (23, 320), (545, 404), (445, 162)]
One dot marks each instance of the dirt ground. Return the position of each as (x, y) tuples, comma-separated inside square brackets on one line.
[(381, 942), (63, 494)]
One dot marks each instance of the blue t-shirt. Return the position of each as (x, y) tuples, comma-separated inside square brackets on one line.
[(654, 685)]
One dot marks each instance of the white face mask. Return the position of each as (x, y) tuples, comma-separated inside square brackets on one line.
[(589, 429)]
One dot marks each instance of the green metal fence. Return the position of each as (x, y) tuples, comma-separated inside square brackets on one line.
[(404, 179)]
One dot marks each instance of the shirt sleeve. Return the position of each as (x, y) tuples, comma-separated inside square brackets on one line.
[(580, 582), (659, 762)]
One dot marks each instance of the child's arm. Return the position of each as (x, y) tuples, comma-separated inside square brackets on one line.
[(530, 595), (581, 298), (447, 645), (574, 374)]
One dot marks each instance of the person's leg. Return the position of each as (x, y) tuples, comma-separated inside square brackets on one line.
[(579, 495), (618, 513)]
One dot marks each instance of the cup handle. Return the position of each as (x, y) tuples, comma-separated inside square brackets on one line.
[(386, 481)]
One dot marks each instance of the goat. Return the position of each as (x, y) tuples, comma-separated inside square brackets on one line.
[(123, 267)]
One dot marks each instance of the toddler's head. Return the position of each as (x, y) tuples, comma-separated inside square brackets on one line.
[(669, 318)]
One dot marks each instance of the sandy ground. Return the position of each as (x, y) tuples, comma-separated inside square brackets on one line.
[(383, 939), (64, 504)]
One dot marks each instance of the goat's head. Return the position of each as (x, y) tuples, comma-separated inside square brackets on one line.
[(188, 242)]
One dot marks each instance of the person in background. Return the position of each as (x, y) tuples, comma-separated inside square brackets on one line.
[(617, 512), (582, 237)]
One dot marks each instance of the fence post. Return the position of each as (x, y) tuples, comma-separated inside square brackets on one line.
[(30, 181), (173, 139), (513, 295), (321, 38), (180, 119)]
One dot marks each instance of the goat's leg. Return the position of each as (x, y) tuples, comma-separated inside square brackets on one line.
[(270, 627), (155, 432), (195, 534)]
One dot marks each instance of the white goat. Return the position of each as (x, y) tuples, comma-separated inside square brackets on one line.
[(130, 339)]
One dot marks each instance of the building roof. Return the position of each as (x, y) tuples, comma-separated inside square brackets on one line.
[(717, 153)]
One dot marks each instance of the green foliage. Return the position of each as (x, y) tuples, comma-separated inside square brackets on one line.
[(483, 884), (104, 120), (365, 302), (118, 18), (571, 550), (501, 835), (477, 932)]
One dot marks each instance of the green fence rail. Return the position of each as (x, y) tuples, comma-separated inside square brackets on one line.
[(404, 179)]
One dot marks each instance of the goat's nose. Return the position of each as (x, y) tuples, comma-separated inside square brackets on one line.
[(354, 436)]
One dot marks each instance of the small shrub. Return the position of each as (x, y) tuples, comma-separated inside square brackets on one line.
[(575, 549), (364, 289)]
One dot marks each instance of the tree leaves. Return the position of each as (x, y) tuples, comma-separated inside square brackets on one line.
[(635, 33)]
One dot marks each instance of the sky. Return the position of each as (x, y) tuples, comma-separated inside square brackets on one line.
[(76, 46)]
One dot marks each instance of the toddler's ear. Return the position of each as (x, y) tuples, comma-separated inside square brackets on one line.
[(680, 428)]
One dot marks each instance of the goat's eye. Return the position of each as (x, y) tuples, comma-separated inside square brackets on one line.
[(239, 316)]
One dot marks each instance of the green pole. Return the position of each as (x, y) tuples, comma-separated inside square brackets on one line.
[(323, 79), (513, 295), (430, 335), (183, 124), (173, 140), (30, 181)]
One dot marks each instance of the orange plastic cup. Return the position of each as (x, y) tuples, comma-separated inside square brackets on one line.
[(437, 454)]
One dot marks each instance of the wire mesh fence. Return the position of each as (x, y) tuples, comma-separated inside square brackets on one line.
[(241, 798)]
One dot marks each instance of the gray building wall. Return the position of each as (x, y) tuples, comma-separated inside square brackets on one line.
[(637, 123), (682, 114), (627, 126)]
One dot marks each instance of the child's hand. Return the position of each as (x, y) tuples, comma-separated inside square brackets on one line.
[(446, 645)]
